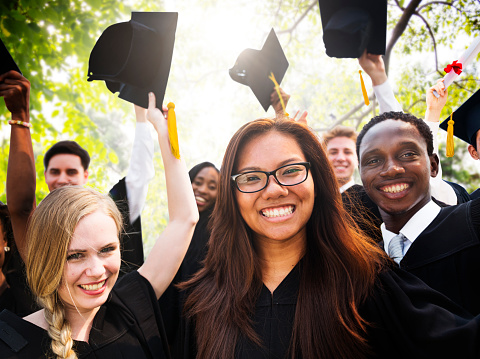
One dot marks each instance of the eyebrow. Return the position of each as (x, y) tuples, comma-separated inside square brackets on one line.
[(84, 250), (403, 143), (253, 168)]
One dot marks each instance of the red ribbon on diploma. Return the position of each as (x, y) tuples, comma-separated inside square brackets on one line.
[(455, 66)]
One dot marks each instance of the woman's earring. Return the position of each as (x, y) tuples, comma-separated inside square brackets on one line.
[(6, 249)]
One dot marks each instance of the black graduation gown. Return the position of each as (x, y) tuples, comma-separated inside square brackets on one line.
[(475, 194), (128, 325), (131, 235), (407, 320), (18, 298), (460, 192), (363, 211), (172, 299), (446, 255)]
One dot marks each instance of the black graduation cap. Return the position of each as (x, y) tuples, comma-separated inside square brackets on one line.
[(6, 60), (253, 68), (466, 120), (134, 57), (351, 26)]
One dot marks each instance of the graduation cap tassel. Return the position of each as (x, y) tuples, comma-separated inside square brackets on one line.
[(450, 144), (364, 90), (172, 130), (277, 88)]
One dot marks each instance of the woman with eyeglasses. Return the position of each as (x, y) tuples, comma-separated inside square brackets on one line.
[(288, 275)]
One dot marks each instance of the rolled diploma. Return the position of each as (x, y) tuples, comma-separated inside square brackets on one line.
[(464, 59)]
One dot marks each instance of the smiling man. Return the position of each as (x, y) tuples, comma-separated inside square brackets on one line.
[(340, 142), (66, 163), (440, 245)]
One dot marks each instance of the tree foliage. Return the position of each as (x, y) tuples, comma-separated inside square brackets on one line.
[(51, 42)]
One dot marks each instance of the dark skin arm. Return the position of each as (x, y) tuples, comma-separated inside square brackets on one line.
[(21, 176)]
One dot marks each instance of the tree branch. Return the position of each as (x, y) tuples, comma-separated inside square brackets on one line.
[(399, 29), (300, 19), (432, 36), (413, 104), (438, 3), (399, 6)]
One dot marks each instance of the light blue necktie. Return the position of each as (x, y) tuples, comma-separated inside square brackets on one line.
[(395, 247)]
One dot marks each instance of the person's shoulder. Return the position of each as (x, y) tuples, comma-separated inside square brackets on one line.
[(356, 188), (20, 338), (475, 194)]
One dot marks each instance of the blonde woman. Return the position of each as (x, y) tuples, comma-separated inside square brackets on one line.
[(73, 263)]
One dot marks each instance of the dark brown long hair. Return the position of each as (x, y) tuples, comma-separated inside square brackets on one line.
[(338, 269)]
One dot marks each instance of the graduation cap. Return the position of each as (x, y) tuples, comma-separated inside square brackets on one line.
[(134, 57), (6, 60), (466, 121), (253, 68), (351, 26)]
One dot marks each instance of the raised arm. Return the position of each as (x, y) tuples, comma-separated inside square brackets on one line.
[(440, 189), (21, 176), (277, 104), (141, 170), (435, 105), (374, 66), (170, 248)]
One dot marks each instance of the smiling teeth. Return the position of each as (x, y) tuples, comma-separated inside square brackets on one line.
[(395, 189), (200, 199), (93, 286), (277, 212)]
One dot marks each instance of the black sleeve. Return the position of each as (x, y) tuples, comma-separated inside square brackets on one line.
[(460, 192), (411, 320), (131, 236), (133, 294), (475, 213)]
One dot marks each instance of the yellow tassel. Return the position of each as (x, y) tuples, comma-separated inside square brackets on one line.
[(172, 130), (450, 145), (277, 88), (364, 90)]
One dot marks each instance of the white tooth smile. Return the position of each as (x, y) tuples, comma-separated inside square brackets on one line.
[(200, 199), (395, 188), (277, 212), (93, 286)]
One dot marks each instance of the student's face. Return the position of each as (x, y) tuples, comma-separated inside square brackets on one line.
[(205, 186), (276, 213), (342, 155), (395, 167), (63, 170), (474, 152), (92, 265)]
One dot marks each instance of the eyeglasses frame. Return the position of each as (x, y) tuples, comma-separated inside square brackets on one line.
[(272, 173)]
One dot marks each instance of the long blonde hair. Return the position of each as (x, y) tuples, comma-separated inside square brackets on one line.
[(49, 234)]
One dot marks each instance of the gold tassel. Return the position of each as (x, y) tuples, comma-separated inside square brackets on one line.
[(450, 144), (364, 90), (172, 130), (277, 88)]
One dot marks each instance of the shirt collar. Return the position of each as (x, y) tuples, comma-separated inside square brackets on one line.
[(415, 226), (347, 186)]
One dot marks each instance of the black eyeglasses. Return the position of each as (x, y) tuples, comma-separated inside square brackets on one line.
[(288, 175)]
